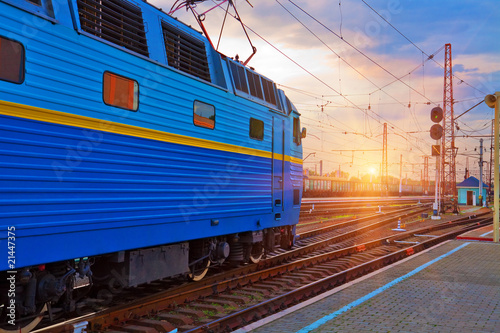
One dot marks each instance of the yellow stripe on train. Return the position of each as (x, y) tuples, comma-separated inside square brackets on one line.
[(62, 118)]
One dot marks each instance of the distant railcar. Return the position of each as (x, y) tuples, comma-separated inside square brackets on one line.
[(130, 146), (328, 186)]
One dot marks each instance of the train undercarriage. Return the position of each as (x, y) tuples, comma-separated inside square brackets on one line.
[(55, 289)]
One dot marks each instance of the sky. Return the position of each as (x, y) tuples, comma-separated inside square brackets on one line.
[(350, 66)]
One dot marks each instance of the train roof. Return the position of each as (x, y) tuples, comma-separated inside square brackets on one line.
[(146, 31)]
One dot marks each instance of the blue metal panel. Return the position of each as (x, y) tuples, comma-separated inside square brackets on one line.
[(72, 191), (61, 179)]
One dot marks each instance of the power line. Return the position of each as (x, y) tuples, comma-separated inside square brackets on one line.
[(392, 26), (397, 79), (345, 61), (321, 81), (467, 110), (304, 69), (326, 84), (409, 73), (358, 50)]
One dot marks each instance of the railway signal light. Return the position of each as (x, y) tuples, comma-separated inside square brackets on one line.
[(436, 150), (437, 114), (436, 129)]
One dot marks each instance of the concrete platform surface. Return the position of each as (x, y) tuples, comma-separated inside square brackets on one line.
[(453, 287), (482, 234)]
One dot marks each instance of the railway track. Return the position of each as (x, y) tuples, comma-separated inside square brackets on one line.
[(327, 226), (336, 268), (314, 210), (311, 205), (228, 300)]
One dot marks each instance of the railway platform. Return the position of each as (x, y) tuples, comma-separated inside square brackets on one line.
[(452, 287), (482, 234)]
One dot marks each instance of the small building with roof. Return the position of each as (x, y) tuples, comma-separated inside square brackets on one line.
[(468, 192)]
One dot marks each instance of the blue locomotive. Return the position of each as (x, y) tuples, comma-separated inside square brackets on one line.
[(131, 149)]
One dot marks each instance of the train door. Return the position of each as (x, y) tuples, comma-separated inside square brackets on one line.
[(278, 166)]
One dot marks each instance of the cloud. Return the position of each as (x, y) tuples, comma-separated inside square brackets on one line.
[(461, 69), (470, 26)]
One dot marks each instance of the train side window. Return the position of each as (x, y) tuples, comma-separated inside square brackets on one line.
[(269, 94), (255, 86), (256, 129), (204, 115), (296, 131), (120, 91), (239, 78), (11, 61)]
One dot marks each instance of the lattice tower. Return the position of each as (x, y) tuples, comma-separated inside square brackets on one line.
[(448, 149)]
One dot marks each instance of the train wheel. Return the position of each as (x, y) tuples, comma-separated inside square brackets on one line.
[(198, 249), (257, 252), (24, 325)]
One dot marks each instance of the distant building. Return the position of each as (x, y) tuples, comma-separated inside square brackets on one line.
[(468, 192)]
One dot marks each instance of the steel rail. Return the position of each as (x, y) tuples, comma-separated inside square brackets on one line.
[(391, 217), (240, 276), (245, 316)]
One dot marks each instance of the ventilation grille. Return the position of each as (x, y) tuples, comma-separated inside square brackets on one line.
[(115, 21), (185, 53)]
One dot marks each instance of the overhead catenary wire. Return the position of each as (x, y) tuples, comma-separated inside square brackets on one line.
[(338, 55), (300, 66), (397, 79), (467, 110), (319, 79), (379, 119), (359, 106), (409, 73), (357, 50), (404, 36)]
